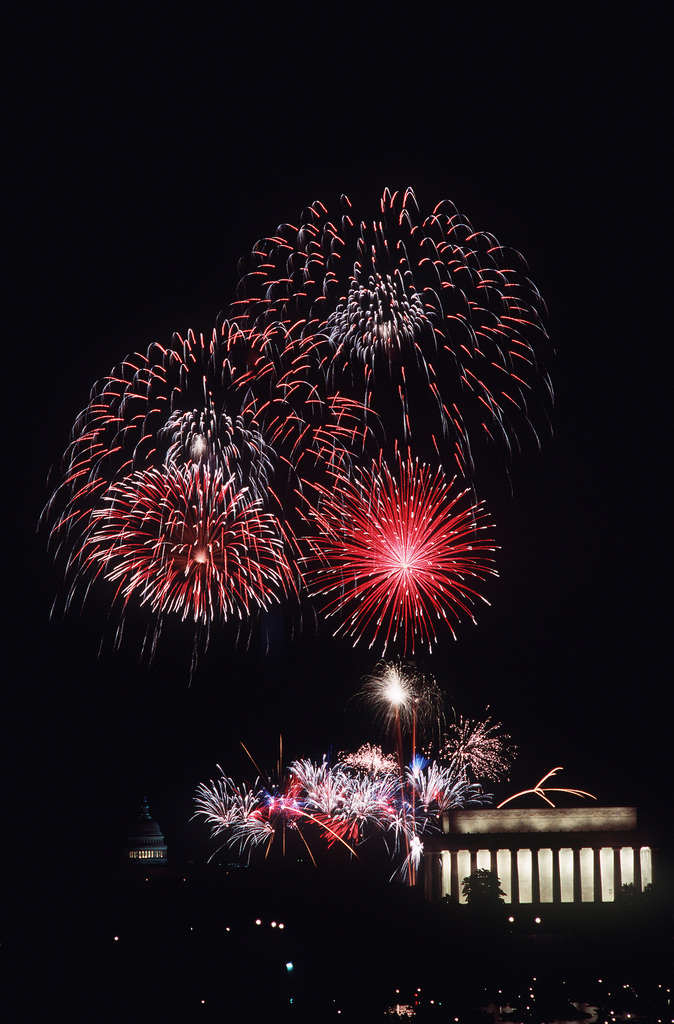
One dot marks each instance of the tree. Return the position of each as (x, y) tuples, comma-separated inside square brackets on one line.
[(482, 889)]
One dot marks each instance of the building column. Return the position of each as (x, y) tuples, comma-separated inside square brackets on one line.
[(535, 879), (577, 884), (596, 861), (514, 878), (445, 876), (556, 878)]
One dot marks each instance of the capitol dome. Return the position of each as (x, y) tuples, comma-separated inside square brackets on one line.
[(146, 845)]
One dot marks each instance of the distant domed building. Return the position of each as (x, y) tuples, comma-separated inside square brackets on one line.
[(146, 846)]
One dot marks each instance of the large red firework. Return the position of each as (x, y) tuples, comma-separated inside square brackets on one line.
[(424, 311), (394, 554), (207, 436), (187, 541)]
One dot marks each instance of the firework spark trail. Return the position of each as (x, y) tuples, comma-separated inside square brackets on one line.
[(409, 308), (390, 555), (540, 790), (282, 370)]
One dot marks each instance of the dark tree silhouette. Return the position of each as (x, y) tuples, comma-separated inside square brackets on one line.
[(483, 889)]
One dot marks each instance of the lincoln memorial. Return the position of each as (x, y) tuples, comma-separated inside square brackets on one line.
[(542, 855)]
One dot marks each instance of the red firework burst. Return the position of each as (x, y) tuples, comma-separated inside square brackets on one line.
[(420, 313), (187, 541), (392, 555), (151, 408)]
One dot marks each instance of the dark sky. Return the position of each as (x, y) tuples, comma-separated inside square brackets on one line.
[(148, 155)]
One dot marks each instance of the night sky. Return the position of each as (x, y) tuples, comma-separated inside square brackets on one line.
[(148, 155)]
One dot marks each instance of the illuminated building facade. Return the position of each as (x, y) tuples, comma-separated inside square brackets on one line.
[(146, 846), (545, 855)]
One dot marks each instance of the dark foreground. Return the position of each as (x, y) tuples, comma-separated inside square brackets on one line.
[(286, 942)]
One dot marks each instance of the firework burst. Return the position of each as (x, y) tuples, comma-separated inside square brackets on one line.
[(187, 541), (179, 449), (391, 690), (342, 802), (479, 747), (392, 556), (345, 803), (194, 469), (237, 810), (169, 406), (411, 308), (437, 788), (248, 816), (369, 759)]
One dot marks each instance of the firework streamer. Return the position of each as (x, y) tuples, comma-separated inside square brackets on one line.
[(410, 312), (542, 791)]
